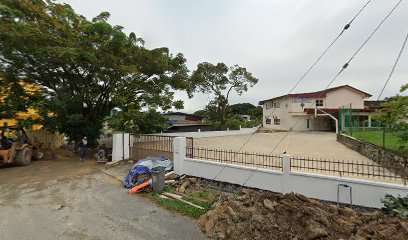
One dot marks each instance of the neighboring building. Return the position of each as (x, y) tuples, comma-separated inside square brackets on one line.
[(184, 122), (283, 112), (245, 118)]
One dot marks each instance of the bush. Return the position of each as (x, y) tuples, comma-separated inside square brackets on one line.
[(233, 124), (395, 206)]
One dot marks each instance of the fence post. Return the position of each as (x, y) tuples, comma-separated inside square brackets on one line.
[(179, 154), (286, 173)]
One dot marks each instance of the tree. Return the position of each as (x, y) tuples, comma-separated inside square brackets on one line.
[(220, 80), (136, 121), (246, 109), (394, 115), (84, 68)]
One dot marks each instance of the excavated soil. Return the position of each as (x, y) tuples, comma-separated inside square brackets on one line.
[(260, 215)]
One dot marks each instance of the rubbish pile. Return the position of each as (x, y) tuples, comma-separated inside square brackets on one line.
[(185, 185), (142, 174), (264, 215)]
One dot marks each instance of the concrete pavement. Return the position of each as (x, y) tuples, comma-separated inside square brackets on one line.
[(93, 206)]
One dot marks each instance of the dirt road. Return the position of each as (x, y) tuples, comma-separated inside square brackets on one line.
[(67, 199)]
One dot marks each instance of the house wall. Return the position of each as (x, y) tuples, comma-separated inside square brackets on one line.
[(343, 97), (291, 110), (181, 119), (291, 113)]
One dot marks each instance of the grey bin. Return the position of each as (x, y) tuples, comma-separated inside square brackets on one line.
[(158, 179)]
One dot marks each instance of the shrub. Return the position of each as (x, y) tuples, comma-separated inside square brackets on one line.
[(395, 206), (233, 124)]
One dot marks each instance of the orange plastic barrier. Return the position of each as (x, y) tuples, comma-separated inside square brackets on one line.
[(139, 187)]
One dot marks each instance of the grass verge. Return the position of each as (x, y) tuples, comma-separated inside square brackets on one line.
[(391, 140), (203, 198)]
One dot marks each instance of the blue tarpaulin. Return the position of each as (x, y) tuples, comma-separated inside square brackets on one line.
[(144, 166)]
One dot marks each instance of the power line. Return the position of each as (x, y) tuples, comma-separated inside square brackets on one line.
[(347, 26), (394, 66), (334, 78)]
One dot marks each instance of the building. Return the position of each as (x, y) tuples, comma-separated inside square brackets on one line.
[(245, 118), (314, 110), (184, 122)]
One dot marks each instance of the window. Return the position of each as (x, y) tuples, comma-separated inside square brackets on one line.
[(319, 103), (268, 121), (276, 121), (276, 104), (268, 105)]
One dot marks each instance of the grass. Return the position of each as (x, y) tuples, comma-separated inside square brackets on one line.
[(202, 198), (376, 138)]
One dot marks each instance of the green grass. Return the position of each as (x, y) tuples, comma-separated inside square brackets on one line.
[(198, 198), (376, 137)]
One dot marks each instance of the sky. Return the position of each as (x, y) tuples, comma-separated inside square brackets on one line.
[(276, 40)]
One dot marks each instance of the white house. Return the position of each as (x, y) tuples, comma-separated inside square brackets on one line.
[(297, 111)]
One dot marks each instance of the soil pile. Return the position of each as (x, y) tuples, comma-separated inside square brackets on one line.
[(260, 215)]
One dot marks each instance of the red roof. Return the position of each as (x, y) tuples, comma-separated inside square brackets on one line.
[(319, 94)]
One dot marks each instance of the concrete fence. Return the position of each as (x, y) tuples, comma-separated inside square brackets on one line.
[(329, 188)]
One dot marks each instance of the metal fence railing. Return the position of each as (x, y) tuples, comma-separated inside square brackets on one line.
[(240, 158), (152, 145), (354, 169)]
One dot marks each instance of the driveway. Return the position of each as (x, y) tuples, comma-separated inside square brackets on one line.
[(302, 144), (50, 200)]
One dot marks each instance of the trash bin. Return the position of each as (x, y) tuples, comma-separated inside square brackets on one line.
[(158, 178)]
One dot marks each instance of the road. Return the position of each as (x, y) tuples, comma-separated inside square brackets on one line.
[(65, 199)]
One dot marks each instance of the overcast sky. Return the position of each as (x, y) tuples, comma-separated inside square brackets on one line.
[(276, 40)]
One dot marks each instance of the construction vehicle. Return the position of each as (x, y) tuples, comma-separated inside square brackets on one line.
[(16, 148)]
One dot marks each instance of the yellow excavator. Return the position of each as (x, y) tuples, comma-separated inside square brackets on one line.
[(16, 148)]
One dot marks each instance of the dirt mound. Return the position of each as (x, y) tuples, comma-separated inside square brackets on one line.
[(259, 215)]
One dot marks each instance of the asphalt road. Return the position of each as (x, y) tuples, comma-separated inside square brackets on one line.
[(43, 201)]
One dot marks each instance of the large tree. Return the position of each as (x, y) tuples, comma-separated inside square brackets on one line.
[(84, 68), (220, 81)]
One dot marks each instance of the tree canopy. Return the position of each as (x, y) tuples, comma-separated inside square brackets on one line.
[(83, 67), (220, 81)]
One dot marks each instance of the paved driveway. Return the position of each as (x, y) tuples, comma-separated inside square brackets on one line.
[(303, 144), (43, 201)]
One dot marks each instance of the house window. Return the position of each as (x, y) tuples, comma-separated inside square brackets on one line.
[(276, 121), (268, 105), (276, 104), (319, 103), (268, 121)]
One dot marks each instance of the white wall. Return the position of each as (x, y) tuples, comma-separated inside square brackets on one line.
[(323, 187), (120, 146), (207, 134)]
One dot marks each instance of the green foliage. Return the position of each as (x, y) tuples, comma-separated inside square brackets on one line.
[(84, 68), (220, 80), (185, 209), (233, 124), (246, 109), (394, 115), (395, 206), (139, 122), (390, 140)]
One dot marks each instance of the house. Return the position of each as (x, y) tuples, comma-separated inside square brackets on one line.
[(315, 110), (245, 118), (184, 122)]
